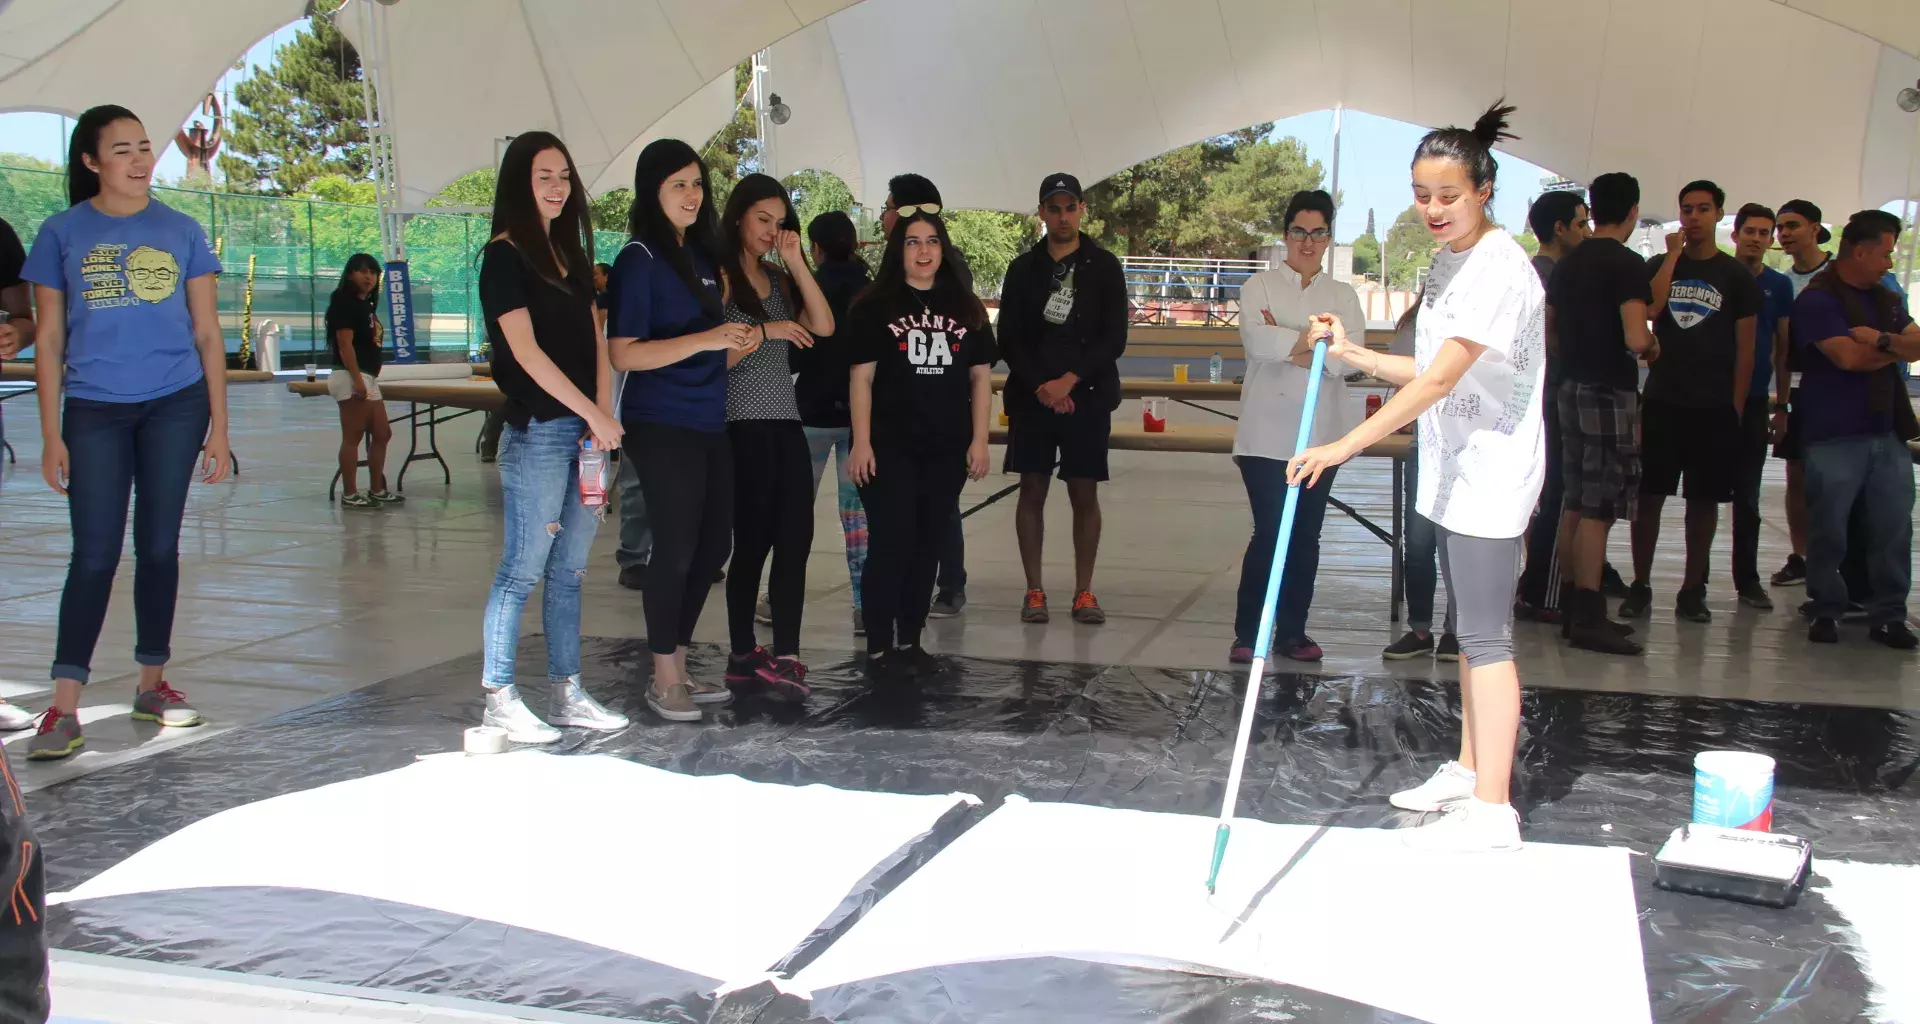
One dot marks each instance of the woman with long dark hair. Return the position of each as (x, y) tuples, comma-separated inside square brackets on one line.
[(772, 469), (1475, 382), (920, 392), (129, 334), (820, 387), (670, 332), (550, 360), (353, 338)]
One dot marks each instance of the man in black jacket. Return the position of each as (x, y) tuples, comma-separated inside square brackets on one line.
[(1063, 326)]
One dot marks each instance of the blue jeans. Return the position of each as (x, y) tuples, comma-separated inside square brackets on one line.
[(1421, 540), (1266, 481), (823, 442), (121, 453), (636, 534), (1878, 471), (548, 532)]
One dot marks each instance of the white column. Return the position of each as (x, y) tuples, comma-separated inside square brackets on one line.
[(1335, 190)]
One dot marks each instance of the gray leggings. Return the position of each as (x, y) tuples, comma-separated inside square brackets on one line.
[(1480, 574)]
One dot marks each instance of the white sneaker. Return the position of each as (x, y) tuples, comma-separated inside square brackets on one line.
[(570, 704), (14, 718), (1470, 826), (507, 711), (1450, 785)]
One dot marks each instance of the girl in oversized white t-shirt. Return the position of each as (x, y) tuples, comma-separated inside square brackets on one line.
[(1476, 384)]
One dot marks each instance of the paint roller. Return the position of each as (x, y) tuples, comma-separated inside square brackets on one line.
[(1264, 644)]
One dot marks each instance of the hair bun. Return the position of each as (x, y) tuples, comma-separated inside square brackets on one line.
[(1491, 128)]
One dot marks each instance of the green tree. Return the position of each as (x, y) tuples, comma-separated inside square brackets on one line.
[(610, 210), (1221, 197), (474, 188), (1409, 249), (734, 151), (1366, 257), (991, 239), (817, 192), (301, 117), (337, 188)]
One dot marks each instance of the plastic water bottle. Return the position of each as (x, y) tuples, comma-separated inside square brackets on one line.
[(1214, 367), (593, 475)]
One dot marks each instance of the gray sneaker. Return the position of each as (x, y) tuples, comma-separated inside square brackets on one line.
[(948, 605), (505, 710), (571, 705), (165, 705), (59, 737), (674, 703), (708, 693), (763, 612)]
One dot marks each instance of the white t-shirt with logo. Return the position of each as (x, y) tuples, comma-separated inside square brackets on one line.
[(1483, 447)]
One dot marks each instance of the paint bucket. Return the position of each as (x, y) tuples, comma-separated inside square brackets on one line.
[(1153, 415), (1733, 789), (1180, 373)]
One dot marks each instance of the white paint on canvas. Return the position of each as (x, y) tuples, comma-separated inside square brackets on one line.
[(1881, 903), (1457, 939), (710, 874)]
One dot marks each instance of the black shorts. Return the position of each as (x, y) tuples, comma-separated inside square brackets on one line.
[(1599, 451), (1038, 439), (1702, 445), (1790, 446)]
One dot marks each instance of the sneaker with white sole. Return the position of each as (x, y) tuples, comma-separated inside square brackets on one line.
[(674, 703), (165, 705), (505, 710), (1471, 826), (569, 704), (763, 610), (709, 693), (1450, 785), (14, 718)]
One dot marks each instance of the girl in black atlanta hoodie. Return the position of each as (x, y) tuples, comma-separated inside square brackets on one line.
[(922, 351)]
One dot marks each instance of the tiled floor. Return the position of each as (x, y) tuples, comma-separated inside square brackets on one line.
[(285, 599)]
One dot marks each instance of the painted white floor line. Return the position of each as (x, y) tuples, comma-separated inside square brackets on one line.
[(88, 716), (1882, 904), (12, 689)]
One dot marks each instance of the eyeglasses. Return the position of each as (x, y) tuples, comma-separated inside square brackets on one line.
[(917, 208), (1303, 235)]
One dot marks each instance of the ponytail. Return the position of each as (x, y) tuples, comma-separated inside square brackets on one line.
[(83, 183), (1472, 148)]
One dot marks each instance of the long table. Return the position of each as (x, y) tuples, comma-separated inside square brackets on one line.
[(481, 395), (23, 373)]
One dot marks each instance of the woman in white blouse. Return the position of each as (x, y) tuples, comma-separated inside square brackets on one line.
[(1275, 309)]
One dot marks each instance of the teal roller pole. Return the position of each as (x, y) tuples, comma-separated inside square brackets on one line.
[(1263, 645)]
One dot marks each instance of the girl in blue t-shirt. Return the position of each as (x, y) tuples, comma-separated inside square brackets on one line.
[(669, 331), (129, 331)]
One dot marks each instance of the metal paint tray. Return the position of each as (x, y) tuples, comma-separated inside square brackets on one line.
[(1735, 864)]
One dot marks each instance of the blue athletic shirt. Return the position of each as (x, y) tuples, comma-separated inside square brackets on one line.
[(1776, 301), (129, 333), (650, 301)]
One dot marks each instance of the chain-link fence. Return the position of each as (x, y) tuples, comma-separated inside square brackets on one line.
[(298, 247)]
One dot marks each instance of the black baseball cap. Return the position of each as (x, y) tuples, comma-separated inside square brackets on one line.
[(1811, 213), (1057, 183)]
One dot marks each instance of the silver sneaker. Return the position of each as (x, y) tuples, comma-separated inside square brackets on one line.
[(570, 704), (505, 710)]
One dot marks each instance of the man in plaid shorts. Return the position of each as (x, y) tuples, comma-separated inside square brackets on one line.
[(1597, 319)]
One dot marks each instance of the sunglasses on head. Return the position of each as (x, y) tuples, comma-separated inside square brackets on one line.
[(915, 209)]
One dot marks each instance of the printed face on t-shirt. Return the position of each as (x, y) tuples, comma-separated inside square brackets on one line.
[(930, 341)]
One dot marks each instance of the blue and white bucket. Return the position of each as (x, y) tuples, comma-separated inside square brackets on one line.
[(1733, 789)]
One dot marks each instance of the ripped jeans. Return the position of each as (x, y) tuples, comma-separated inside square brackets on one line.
[(548, 534)]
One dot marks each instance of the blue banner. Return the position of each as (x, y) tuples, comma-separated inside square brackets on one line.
[(400, 311)]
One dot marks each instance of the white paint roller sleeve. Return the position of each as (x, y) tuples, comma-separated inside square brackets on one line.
[(486, 739)]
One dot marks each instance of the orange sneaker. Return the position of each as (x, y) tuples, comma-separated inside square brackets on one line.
[(1034, 609), (1086, 609)]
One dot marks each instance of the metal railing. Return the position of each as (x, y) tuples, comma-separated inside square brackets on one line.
[(1187, 292)]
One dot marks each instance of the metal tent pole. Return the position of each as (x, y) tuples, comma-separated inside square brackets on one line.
[(1335, 191)]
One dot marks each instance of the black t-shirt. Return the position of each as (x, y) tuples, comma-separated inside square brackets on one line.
[(351, 313), (1090, 337), (1588, 288), (1696, 331), (562, 327), (13, 256), (820, 389), (922, 394)]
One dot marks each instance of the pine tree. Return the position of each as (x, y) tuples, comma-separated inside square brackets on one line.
[(311, 93)]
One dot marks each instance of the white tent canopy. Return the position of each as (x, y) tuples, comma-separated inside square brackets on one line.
[(1772, 99)]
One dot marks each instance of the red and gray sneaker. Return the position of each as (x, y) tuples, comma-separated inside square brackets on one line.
[(785, 679), (59, 737), (165, 705), (1240, 654), (1301, 648), (744, 670)]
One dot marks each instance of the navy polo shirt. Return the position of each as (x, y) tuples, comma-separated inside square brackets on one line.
[(651, 301)]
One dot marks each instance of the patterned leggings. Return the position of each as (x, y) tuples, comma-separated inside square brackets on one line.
[(822, 442)]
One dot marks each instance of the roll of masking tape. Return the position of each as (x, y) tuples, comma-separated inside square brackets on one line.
[(486, 739)]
